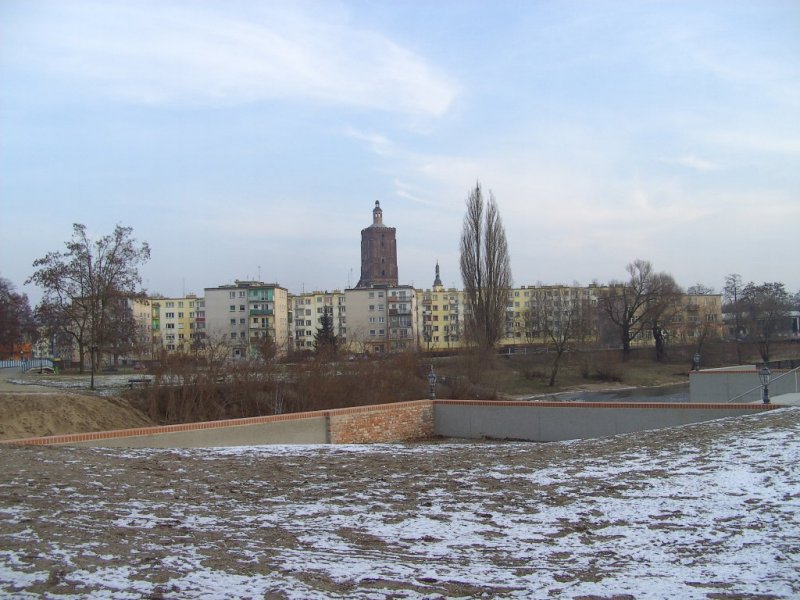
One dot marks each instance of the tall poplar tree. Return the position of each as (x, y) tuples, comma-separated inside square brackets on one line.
[(485, 270)]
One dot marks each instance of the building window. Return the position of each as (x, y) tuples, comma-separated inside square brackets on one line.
[(233, 308)]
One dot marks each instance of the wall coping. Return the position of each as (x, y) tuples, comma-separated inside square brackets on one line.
[(651, 405), (737, 372), (328, 414)]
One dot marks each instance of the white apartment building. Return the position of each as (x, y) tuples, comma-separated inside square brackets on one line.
[(307, 311), (381, 319), (242, 313)]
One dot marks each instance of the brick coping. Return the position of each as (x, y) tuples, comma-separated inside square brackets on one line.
[(328, 414)]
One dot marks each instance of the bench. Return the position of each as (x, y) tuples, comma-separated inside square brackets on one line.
[(138, 381)]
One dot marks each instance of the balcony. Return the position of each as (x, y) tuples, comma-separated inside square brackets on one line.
[(261, 312)]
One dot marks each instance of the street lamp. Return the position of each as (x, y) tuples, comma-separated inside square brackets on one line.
[(93, 357), (763, 375), (432, 384)]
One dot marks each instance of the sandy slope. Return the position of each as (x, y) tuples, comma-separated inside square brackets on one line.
[(30, 411)]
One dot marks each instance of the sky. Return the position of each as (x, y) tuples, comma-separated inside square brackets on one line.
[(250, 140)]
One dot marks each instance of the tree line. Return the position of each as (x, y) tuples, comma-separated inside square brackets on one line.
[(642, 305)]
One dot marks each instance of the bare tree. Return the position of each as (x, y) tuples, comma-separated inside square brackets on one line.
[(642, 302), (485, 270), (767, 309), (663, 309), (82, 285), (732, 297), (120, 334), (17, 323), (565, 326), (698, 289)]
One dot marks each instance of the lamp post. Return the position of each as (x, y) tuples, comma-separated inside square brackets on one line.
[(432, 384), (764, 375), (93, 358)]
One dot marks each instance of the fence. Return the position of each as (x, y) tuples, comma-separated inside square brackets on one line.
[(28, 364)]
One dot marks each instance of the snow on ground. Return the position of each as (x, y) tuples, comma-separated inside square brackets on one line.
[(702, 511)]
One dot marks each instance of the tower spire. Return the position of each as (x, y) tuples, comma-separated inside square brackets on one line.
[(438, 281)]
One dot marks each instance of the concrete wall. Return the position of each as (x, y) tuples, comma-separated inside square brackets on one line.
[(552, 422), (404, 421), (301, 428), (723, 385)]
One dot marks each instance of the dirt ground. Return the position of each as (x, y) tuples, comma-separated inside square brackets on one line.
[(36, 410), (703, 511)]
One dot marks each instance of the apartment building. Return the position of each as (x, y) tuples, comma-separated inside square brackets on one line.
[(243, 313), (381, 319), (307, 310), (173, 323), (699, 316), (533, 313)]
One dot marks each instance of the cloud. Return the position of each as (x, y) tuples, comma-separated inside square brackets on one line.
[(693, 162), (376, 142), (196, 54)]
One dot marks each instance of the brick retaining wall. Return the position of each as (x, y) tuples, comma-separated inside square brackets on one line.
[(382, 423)]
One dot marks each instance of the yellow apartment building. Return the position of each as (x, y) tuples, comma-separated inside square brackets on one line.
[(174, 323)]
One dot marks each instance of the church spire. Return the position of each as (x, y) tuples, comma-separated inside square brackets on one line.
[(438, 281)]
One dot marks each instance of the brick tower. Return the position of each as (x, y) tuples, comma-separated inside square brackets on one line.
[(378, 252)]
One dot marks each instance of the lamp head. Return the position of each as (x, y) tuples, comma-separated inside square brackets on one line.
[(764, 374)]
